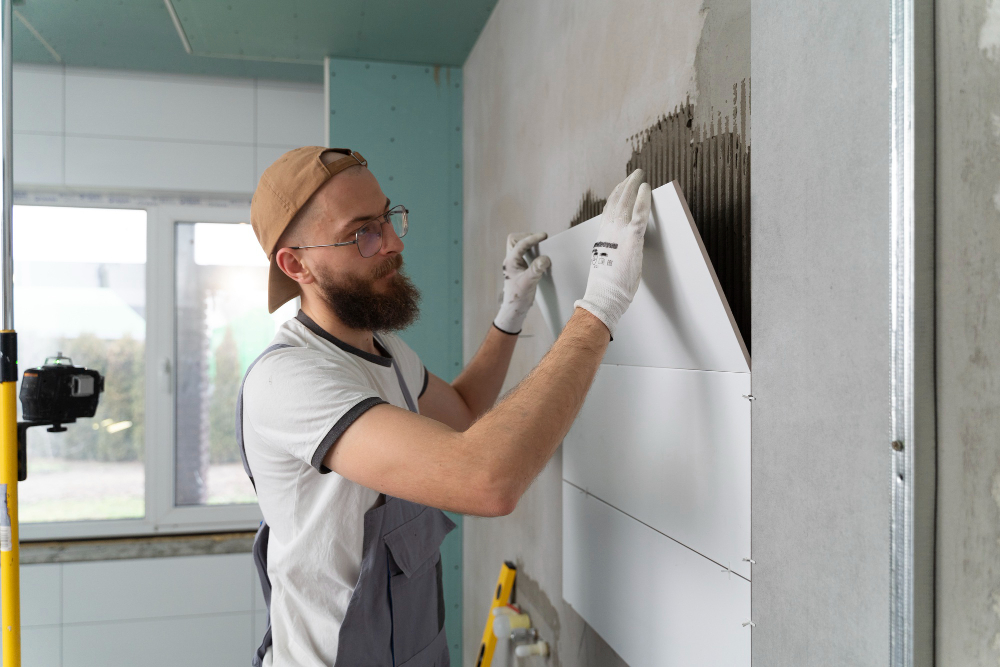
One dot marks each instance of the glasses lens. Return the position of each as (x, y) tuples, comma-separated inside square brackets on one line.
[(400, 223), (370, 239)]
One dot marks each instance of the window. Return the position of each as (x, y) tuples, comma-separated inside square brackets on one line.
[(79, 291), (222, 325), (167, 299)]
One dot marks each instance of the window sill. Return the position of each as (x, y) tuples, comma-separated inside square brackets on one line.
[(160, 546)]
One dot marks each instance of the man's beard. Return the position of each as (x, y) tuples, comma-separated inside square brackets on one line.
[(359, 306)]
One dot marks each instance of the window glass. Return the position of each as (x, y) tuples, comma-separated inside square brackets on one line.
[(222, 325), (80, 290)]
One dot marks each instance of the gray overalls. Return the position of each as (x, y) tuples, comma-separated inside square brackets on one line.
[(396, 613)]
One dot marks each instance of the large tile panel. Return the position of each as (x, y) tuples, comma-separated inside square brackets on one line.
[(198, 641), (654, 601), (290, 114), (159, 107), (160, 165), (38, 159), (672, 449), (38, 99), (154, 587), (679, 317), (41, 646), (41, 594)]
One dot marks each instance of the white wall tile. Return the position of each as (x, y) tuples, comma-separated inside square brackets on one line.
[(41, 646), (38, 99), (678, 317), (672, 449), (38, 159), (202, 641), (654, 601), (41, 594), (289, 114), (159, 107), (161, 165), (154, 587)]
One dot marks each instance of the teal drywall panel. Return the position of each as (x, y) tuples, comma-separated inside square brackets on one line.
[(429, 31), (407, 122), (252, 38)]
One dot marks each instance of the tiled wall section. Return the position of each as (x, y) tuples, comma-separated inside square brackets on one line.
[(196, 610), (107, 129)]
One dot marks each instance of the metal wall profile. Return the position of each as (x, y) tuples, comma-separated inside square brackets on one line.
[(901, 525)]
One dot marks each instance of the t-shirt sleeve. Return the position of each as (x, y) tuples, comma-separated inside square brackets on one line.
[(300, 402)]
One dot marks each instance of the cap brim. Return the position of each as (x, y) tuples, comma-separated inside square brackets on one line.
[(280, 288)]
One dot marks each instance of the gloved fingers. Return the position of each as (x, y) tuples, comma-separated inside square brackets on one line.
[(525, 242), (643, 204), (614, 196), (629, 194), (539, 266), (513, 238)]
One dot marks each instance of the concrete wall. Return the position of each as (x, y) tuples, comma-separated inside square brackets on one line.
[(968, 332), (820, 265), (553, 91)]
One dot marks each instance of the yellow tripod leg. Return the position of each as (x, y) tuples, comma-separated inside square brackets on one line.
[(10, 579), (502, 596)]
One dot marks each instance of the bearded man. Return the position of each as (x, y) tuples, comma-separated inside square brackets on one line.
[(355, 448)]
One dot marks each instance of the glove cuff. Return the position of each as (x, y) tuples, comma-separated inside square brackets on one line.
[(504, 331), (610, 319), (508, 320)]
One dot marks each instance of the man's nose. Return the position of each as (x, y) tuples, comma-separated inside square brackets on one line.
[(390, 240)]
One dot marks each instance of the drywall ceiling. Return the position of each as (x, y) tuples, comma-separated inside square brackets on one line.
[(249, 38)]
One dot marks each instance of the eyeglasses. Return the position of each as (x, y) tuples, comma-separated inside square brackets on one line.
[(368, 238)]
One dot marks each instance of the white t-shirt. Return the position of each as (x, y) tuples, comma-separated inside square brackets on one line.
[(296, 402)]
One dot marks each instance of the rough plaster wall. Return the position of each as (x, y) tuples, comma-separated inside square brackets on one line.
[(820, 271), (553, 91), (968, 332)]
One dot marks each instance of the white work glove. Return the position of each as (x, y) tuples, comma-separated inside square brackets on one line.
[(616, 258), (519, 280)]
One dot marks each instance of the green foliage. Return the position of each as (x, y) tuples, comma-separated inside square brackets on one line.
[(222, 408), (122, 362)]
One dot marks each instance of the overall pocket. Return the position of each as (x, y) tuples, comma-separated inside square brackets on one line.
[(415, 590)]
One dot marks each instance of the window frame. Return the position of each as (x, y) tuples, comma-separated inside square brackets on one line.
[(162, 515)]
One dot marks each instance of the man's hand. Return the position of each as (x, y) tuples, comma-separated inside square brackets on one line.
[(519, 281), (616, 258)]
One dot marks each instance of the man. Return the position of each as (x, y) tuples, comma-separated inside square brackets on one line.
[(354, 447)]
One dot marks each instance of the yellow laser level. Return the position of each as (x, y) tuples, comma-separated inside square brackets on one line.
[(503, 595)]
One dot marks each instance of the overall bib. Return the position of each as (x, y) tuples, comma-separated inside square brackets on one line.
[(396, 614)]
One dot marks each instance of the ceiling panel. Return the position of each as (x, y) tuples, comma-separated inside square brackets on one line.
[(432, 31), (246, 38)]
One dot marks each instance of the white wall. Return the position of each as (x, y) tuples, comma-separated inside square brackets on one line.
[(195, 610), (85, 128)]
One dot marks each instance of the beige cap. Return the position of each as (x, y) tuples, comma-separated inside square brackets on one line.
[(284, 188)]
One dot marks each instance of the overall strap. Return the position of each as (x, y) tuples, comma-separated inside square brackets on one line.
[(399, 376), (239, 409)]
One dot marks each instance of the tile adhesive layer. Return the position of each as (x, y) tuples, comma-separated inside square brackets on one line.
[(656, 467)]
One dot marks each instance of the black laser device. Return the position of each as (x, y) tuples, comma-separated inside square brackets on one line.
[(55, 393)]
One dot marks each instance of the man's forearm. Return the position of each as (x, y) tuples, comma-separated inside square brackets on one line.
[(523, 431), (480, 382)]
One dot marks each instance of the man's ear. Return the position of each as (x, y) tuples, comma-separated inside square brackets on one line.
[(291, 263)]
